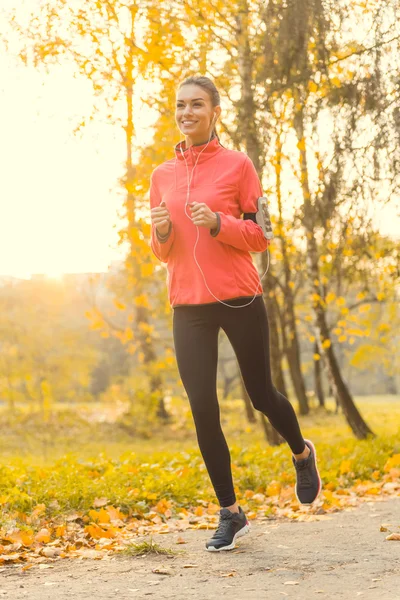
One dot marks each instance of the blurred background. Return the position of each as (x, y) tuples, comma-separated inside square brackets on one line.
[(310, 90)]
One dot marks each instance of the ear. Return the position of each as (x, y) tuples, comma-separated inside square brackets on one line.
[(217, 113)]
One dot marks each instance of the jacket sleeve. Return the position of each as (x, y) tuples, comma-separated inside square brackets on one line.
[(160, 245), (244, 234)]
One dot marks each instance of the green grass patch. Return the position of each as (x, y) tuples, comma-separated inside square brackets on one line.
[(134, 474), (147, 547)]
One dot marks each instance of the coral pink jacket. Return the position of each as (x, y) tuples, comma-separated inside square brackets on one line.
[(226, 180)]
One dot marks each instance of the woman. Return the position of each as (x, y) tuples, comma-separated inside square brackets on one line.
[(210, 276)]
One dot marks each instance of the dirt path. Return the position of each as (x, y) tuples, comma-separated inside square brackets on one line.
[(341, 556)]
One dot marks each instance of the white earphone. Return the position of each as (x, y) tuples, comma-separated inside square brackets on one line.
[(189, 180)]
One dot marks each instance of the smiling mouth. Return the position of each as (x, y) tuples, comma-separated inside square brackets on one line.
[(188, 123)]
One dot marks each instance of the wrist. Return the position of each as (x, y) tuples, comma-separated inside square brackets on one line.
[(162, 237), (215, 230)]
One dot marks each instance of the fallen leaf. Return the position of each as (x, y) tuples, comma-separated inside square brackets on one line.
[(43, 536), (189, 566), (291, 583), (99, 502), (162, 571), (50, 552), (393, 536)]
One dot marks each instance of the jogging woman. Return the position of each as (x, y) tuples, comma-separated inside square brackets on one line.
[(197, 200)]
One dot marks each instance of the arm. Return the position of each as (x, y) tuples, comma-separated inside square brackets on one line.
[(160, 245), (244, 234)]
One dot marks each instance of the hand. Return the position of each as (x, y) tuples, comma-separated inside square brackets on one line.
[(160, 217), (203, 215)]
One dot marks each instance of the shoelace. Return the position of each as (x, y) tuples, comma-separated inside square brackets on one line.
[(303, 474), (223, 525)]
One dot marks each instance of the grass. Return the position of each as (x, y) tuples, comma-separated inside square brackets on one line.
[(147, 547), (136, 474), (28, 439)]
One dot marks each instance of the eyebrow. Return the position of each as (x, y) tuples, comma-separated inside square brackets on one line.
[(194, 100)]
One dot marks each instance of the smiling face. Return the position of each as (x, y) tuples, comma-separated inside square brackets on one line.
[(194, 113)]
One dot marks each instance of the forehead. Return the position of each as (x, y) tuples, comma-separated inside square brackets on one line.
[(190, 92)]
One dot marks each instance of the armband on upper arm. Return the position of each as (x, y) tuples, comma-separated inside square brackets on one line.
[(251, 216)]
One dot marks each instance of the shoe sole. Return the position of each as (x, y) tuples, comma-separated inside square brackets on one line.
[(243, 531), (319, 478)]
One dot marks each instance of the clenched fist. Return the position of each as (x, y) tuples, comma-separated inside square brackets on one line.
[(160, 218), (202, 215)]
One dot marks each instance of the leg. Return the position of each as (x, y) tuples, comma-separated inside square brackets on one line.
[(248, 333), (196, 347)]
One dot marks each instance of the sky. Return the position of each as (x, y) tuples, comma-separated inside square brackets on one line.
[(59, 196)]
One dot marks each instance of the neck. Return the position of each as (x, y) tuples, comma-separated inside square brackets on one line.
[(191, 142)]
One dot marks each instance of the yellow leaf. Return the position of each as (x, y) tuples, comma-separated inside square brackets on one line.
[(43, 536), (393, 461), (330, 297), (23, 537), (373, 491), (326, 343), (316, 356), (302, 144), (61, 531), (273, 489), (146, 269), (345, 466), (119, 304)]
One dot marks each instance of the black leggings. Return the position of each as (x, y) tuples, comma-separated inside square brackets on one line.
[(195, 330)]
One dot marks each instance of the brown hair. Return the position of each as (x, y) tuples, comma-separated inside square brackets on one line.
[(209, 87)]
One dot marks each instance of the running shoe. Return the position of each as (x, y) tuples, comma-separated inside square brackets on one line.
[(231, 526), (308, 484)]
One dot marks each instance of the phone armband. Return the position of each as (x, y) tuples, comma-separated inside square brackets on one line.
[(263, 218)]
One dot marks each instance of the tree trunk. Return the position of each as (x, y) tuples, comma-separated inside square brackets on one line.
[(247, 125), (291, 342), (354, 418), (319, 390), (247, 403), (271, 434), (274, 342)]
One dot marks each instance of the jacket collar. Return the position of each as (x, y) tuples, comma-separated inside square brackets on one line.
[(193, 151)]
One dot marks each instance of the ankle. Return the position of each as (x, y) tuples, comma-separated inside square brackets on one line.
[(234, 508), (305, 454)]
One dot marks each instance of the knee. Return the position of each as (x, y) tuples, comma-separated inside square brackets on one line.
[(265, 403), (204, 413)]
